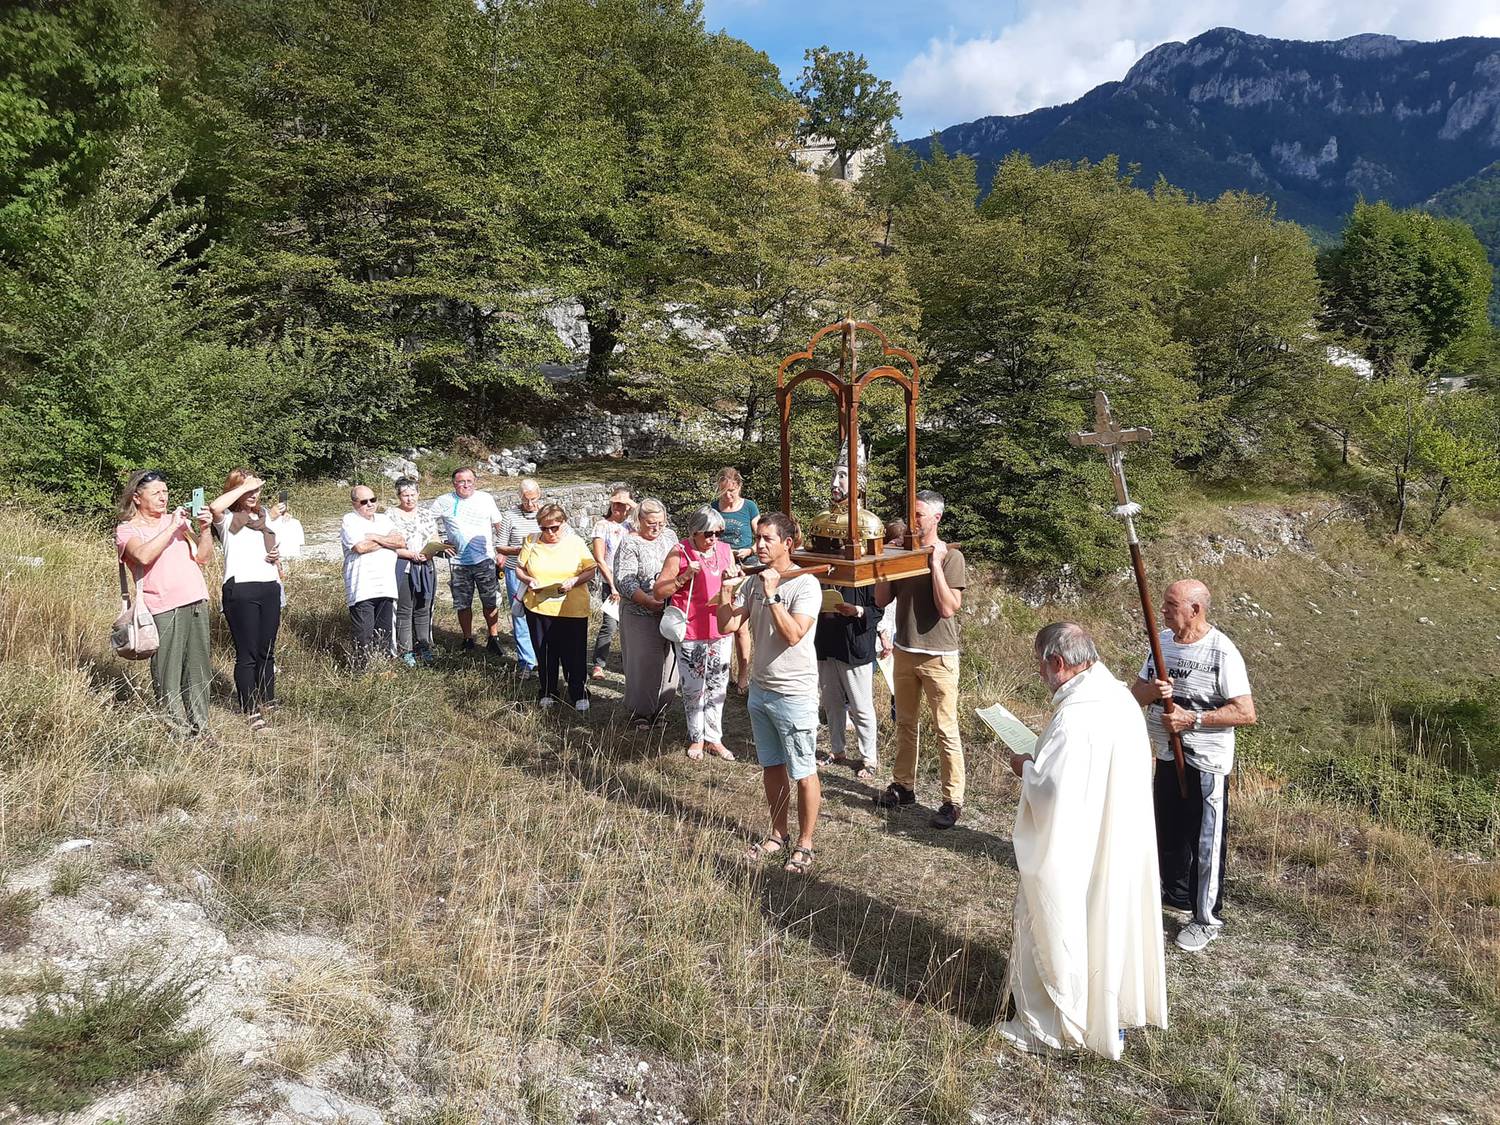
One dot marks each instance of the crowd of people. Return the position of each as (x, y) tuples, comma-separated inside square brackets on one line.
[(1100, 845)]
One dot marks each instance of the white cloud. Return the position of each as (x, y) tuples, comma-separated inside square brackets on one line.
[(1053, 52)]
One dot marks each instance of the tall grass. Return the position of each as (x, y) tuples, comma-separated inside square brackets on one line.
[(523, 880)]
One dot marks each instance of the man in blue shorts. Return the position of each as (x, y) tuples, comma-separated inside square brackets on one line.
[(783, 684)]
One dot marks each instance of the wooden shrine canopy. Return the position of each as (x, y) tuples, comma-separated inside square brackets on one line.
[(858, 562)]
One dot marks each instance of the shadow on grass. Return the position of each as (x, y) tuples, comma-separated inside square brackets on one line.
[(912, 822), (893, 948)]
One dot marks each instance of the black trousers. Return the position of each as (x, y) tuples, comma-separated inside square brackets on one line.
[(1191, 836), (561, 643), (253, 611), (372, 619)]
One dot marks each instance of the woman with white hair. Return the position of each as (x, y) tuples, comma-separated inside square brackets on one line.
[(650, 660), (691, 578)]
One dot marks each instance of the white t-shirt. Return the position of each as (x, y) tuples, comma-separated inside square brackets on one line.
[(775, 665), (468, 524), (1205, 675), (245, 554), (290, 537), (372, 574)]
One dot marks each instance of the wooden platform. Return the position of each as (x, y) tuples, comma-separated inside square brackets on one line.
[(868, 569)]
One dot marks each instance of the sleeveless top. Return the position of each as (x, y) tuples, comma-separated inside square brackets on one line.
[(703, 618)]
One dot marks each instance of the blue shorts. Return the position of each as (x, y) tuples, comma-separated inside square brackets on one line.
[(786, 731)]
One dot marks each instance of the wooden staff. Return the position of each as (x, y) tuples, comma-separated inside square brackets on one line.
[(1111, 440)]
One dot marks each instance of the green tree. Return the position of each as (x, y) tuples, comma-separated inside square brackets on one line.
[(73, 78), (1250, 292), (1410, 288), (846, 104), (1051, 290), (363, 190), (105, 364), (625, 107)]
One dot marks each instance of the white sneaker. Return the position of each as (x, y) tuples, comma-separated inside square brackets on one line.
[(546, 701), (582, 704), (1196, 935)]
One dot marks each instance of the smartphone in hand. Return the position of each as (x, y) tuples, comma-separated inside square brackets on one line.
[(281, 498), (197, 504)]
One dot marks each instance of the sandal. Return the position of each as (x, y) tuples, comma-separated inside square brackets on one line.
[(257, 724), (695, 752), (641, 726), (771, 845), (864, 773), (719, 750), (801, 861)]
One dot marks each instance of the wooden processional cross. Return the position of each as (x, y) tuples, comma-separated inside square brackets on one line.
[(1111, 439)]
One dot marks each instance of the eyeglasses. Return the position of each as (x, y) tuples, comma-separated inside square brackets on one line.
[(370, 500), (150, 478), (549, 526), (711, 534)]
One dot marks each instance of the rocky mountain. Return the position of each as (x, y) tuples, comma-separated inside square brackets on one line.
[(1313, 125)]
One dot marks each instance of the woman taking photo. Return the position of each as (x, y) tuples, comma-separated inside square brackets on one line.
[(166, 559), (691, 578), (416, 576), (252, 591), (740, 517), (555, 569), (650, 660)]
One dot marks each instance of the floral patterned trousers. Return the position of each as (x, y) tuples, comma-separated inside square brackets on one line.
[(704, 666)]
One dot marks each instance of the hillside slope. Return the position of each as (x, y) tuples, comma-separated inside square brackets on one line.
[(419, 898)]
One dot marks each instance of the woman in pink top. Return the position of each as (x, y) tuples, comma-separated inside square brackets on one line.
[(167, 560), (691, 578)]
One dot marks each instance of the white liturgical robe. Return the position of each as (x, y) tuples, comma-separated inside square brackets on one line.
[(1086, 955)]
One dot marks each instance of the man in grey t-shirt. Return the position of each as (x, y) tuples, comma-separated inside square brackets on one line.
[(783, 684), (1205, 677)]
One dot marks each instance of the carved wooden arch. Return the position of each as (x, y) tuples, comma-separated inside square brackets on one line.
[(847, 386)]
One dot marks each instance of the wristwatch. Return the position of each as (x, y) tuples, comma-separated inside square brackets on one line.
[(776, 598), (1197, 719)]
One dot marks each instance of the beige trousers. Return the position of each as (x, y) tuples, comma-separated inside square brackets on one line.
[(935, 677)]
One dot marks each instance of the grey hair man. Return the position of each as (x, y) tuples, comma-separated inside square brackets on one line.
[(468, 518), (926, 664), (1086, 952), (516, 524), (1206, 678)]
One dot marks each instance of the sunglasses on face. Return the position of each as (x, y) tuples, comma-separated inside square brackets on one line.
[(711, 534), (367, 500), (550, 526)]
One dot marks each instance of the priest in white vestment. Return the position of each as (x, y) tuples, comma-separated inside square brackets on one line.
[(1086, 957)]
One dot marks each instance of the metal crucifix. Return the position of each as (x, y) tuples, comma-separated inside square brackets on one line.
[(1110, 439)]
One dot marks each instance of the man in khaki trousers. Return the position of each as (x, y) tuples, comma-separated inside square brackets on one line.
[(926, 665)]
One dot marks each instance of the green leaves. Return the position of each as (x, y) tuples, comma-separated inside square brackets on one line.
[(1410, 287), (846, 104)]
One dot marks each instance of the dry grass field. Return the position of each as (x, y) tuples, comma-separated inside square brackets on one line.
[(418, 898)]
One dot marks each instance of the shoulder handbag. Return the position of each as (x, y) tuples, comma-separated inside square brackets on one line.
[(133, 635), (674, 621)]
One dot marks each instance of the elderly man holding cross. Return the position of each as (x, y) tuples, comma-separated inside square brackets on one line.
[(1192, 799)]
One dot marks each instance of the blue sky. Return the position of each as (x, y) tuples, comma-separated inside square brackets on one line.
[(955, 60)]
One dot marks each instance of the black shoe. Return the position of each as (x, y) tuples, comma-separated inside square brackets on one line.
[(468, 645), (894, 795), (947, 815), (492, 646)]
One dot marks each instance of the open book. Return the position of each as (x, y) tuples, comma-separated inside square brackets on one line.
[(1012, 731)]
